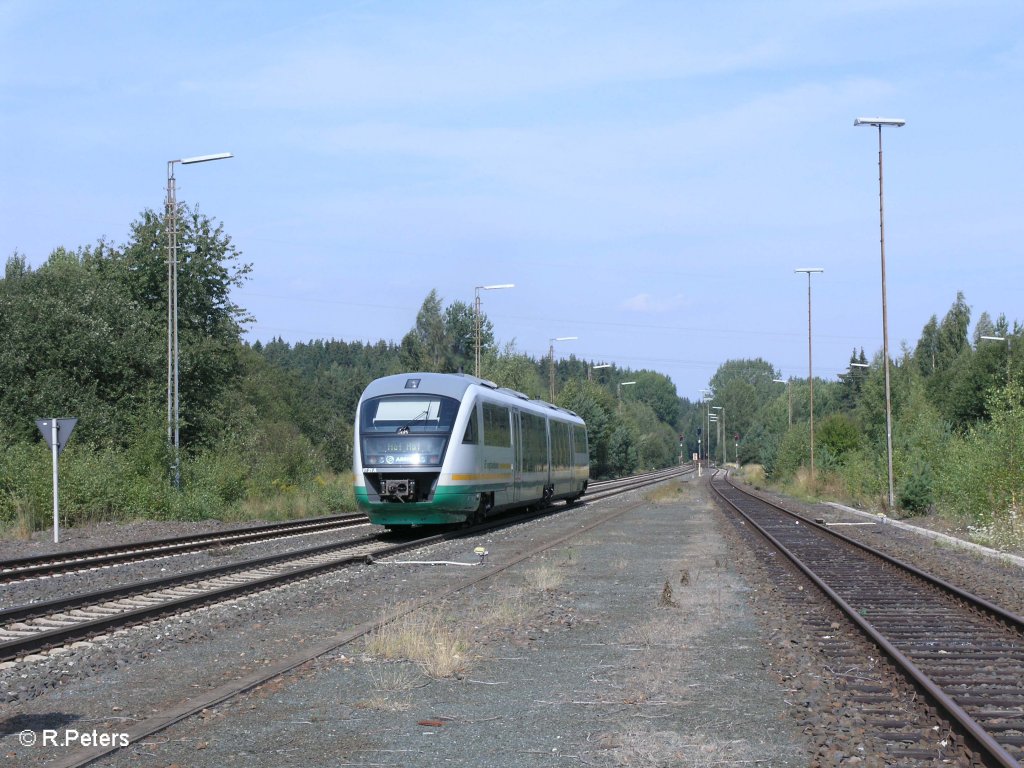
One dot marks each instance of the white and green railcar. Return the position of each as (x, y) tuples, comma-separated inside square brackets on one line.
[(435, 448)]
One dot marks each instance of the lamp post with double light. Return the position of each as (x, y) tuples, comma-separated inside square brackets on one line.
[(551, 362), (618, 390), (706, 395), (477, 317), (725, 440), (173, 397), (1007, 340), (810, 367), (879, 123), (789, 396)]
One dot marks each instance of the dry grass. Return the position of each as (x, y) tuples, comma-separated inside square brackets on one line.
[(752, 474), (509, 608), (437, 645), (668, 493), (394, 678), (658, 748), (26, 521), (544, 578)]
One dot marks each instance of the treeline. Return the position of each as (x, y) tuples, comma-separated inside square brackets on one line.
[(957, 431), (630, 428), (266, 428)]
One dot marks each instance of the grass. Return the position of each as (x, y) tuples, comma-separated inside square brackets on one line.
[(435, 643), (26, 520), (668, 493), (545, 578)]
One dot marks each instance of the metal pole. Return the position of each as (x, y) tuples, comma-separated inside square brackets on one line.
[(551, 372), (885, 327), (476, 317), (725, 440), (56, 496), (810, 369), (173, 410), (810, 358)]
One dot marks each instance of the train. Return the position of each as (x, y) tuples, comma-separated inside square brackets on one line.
[(443, 448)]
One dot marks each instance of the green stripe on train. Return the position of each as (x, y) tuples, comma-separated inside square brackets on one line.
[(450, 504)]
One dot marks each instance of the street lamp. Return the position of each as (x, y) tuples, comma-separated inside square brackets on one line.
[(618, 390), (476, 317), (789, 394), (551, 361), (880, 122), (810, 368), (590, 371), (173, 399), (1007, 340), (725, 441), (706, 395)]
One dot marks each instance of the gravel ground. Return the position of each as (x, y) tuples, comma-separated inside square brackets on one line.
[(631, 644), (649, 641)]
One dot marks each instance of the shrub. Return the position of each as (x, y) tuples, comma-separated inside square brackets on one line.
[(916, 491)]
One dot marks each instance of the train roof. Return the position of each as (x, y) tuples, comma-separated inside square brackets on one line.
[(453, 385)]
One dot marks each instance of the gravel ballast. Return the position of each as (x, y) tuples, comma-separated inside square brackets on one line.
[(631, 644), (652, 640)]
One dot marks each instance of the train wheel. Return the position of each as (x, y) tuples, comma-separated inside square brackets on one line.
[(478, 515)]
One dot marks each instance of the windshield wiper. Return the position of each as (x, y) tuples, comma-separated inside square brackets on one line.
[(404, 429)]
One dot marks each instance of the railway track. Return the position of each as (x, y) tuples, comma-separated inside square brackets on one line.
[(32, 628), (962, 653), (75, 561), (72, 561)]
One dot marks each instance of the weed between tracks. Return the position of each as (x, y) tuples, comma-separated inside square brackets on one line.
[(438, 643)]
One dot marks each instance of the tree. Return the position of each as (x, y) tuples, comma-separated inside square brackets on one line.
[(424, 348), (460, 333), (209, 321), (73, 345), (657, 391)]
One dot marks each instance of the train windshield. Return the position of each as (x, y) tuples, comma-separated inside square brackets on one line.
[(406, 430)]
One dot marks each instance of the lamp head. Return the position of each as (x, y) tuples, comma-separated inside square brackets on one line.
[(205, 158), (880, 121)]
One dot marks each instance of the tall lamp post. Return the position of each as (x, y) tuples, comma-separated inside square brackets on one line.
[(810, 367), (618, 390), (476, 318), (725, 440), (706, 399), (173, 399), (1007, 340), (591, 369), (789, 394), (880, 122), (551, 361)]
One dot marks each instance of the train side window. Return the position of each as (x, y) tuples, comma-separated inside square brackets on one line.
[(472, 429), (580, 439), (497, 431)]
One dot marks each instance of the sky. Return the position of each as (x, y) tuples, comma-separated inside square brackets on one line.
[(648, 174)]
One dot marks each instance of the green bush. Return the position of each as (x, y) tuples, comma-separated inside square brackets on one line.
[(916, 489)]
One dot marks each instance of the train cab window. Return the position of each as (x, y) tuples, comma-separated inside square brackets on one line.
[(497, 429), (579, 435), (406, 430), (471, 437), (405, 414)]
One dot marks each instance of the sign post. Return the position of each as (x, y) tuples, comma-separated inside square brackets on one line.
[(56, 432)]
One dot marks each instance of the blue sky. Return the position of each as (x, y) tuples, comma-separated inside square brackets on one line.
[(648, 174)]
